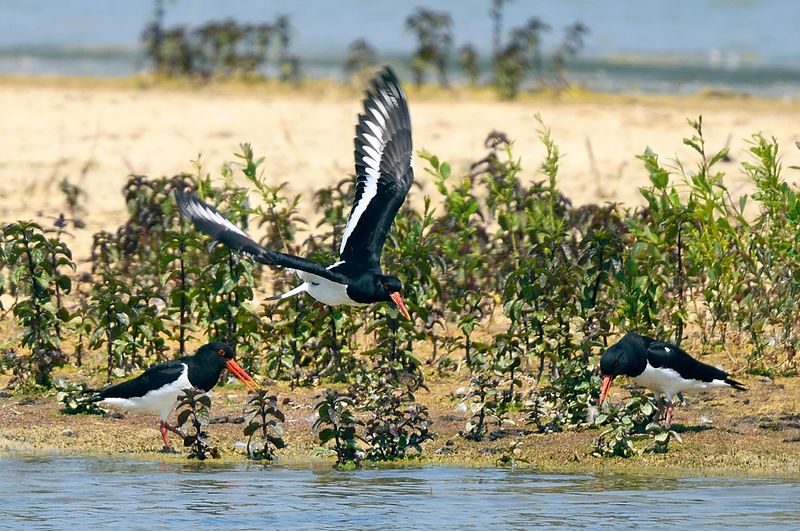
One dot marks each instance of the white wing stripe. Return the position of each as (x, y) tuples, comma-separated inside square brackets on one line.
[(374, 155), (378, 116), (372, 165), (380, 105), (370, 190), (374, 141), (377, 131)]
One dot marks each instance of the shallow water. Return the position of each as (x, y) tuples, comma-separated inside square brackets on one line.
[(84, 492)]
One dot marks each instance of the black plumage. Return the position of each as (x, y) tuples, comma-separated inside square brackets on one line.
[(384, 176), (663, 367)]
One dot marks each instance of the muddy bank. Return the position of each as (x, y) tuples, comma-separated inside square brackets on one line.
[(757, 432)]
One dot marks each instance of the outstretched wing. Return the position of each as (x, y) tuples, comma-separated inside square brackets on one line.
[(383, 169), (209, 220), (671, 356)]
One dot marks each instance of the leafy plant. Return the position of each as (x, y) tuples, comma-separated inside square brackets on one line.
[(484, 399), (34, 261), (632, 423), (193, 409), (263, 418), (78, 400), (338, 424)]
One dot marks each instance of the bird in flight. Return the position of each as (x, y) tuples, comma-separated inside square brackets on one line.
[(662, 367), (157, 389), (383, 178)]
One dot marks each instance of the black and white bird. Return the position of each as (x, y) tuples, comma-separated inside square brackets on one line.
[(383, 178), (158, 388), (662, 367)]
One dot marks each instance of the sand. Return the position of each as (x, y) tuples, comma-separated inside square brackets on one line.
[(98, 133)]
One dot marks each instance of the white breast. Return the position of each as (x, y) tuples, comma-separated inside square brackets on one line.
[(668, 382), (162, 400), (327, 292)]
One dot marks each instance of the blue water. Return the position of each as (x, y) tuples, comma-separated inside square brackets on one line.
[(650, 45), (62, 492)]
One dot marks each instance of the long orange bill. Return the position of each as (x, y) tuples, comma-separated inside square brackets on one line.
[(242, 375), (604, 388), (398, 300)]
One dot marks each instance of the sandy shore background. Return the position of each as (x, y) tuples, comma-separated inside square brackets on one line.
[(96, 134)]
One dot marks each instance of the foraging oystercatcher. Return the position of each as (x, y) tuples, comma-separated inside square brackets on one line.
[(383, 178), (662, 367), (158, 388)]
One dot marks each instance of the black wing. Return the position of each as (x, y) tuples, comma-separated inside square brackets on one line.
[(209, 220), (153, 378), (383, 169), (673, 357)]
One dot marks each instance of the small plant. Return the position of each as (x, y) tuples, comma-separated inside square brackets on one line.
[(396, 423), (34, 261), (632, 423), (263, 418), (78, 400), (193, 408), (511, 459), (564, 403), (484, 396), (339, 421)]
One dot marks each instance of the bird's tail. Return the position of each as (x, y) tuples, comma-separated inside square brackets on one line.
[(91, 395), (291, 293), (736, 385)]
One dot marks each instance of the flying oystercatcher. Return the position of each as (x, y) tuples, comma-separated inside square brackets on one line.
[(383, 178), (662, 367), (158, 388)]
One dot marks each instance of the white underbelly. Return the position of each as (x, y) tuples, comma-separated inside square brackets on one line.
[(162, 400), (669, 382), (327, 292)]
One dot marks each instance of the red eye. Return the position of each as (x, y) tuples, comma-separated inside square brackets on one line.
[(221, 352)]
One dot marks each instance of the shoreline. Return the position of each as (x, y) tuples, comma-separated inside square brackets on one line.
[(746, 437)]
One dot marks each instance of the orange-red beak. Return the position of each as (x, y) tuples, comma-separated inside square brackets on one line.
[(242, 375), (398, 300), (604, 388)]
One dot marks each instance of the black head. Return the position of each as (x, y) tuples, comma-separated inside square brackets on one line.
[(216, 356), (390, 289), (627, 357)]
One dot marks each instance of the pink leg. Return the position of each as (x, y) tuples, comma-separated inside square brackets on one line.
[(669, 413), (163, 428), (173, 429)]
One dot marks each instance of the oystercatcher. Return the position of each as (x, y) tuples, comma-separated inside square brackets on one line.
[(158, 388), (662, 367), (383, 178)]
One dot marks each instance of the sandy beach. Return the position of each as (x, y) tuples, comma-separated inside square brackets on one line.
[(97, 133)]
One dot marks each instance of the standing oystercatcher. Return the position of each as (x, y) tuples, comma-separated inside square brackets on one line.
[(383, 178), (662, 367), (158, 388)]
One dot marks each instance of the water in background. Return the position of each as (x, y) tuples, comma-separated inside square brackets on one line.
[(59, 492), (649, 45)]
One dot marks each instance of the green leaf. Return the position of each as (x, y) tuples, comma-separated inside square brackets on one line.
[(183, 416), (326, 435)]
